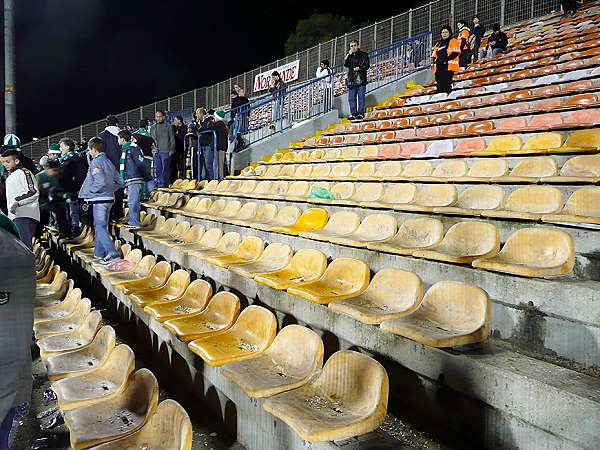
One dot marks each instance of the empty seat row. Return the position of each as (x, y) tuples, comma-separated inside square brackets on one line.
[(185, 185)]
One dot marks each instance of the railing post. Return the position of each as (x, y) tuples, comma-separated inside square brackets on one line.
[(80, 133), (168, 103), (452, 13), (430, 19), (410, 19), (532, 9), (476, 7), (502, 12), (392, 30), (375, 35)]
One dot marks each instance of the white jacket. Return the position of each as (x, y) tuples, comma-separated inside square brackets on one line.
[(21, 187)]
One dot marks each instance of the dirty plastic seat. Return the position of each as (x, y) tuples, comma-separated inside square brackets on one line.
[(218, 316), (582, 207), (343, 278), (533, 252), (391, 293), (54, 290), (305, 266), (141, 270), (169, 428), (194, 299), (529, 203), (116, 417), (65, 324), (373, 228), (226, 245), (79, 361), (104, 382), (251, 334), (295, 355), (347, 399), (134, 257), (578, 169), (472, 201), (452, 313), (156, 278), (249, 250), (413, 234), (429, 197), (530, 170), (209, 240), (310, 220), (275, 257), (73, 340), (464, 242), (59, 310), (341, 223), (173, 288)]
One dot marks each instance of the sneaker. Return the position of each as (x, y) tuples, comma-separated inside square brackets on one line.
[(359, 117), (351, 118)]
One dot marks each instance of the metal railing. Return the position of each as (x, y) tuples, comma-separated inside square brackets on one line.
[(426, 18), (274, 113)]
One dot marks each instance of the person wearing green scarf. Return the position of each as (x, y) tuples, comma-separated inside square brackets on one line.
[(135, 174), (72, 174)]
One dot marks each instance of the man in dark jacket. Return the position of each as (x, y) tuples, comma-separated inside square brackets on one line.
[(498, 40), (135, 174), (178, 166), (203, 121), (163, 136), (357, 63), (478, 31), (240, 108), (112, 150), (72, 174), (219, 126)]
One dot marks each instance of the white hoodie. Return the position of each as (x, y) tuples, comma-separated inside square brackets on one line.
[(21, 187)]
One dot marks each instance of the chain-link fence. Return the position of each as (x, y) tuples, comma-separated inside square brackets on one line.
[(426, 18)]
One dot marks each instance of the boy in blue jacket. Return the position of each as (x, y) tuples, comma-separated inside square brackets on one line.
[(133, 170), (98, 190)]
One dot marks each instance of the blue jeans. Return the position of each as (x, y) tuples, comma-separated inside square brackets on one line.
[(357, 93), (212, 162), (162, 164), (104, 243), (74, 215), (134, 198), (26, 227)]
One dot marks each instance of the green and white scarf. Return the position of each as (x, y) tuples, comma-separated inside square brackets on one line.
[(124, 151)]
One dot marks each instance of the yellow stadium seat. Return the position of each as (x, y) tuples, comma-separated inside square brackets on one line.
[(578, 169), (310, 220), (284, 366), (446, 171), (301, 156), (542, 143), (391, 293), (191, 236), (265, 213), (465, 242), (56, 288), (344, 278), (342, 223), (429, 197), (305, 266), (304, 171), (388, 170), (193, 300), (363, 171), (326, 409), (51, 272), (42, 271), (316, 155), (501, 145), (530, 170), (249, 250), (105, 382), (169, 428), (533, 252), (211, 186), (321, 171), (134, 257), (59, 310), (288, 172), (582, 207), (251, 334), (364, 193), (141, 270), (246, 214), (177, 234), (339, 171), (173, 288), (331, 154), (373, 228), (81, 336), (413, 234), (285, 217), (529, 203), (226, 245), (156, 278), (485, 169), (160, 230), (65, 324), (83, 360), (219, 315), (472, 201), (349, 153), (451, 314), (116, 417), (209, 240), (581, 141), (416, 169), (297, 190), (395, 194), (275, 257), (367, 151)]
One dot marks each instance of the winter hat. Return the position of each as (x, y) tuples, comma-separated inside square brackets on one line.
[(54, 148), (44, 161), (219, 115), (12, 141)]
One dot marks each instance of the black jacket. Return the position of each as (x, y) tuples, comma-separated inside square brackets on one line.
[(111, 147), (500, 40), (180, 138), (222, 134), (72, 174), (205, 139), (357, 59), (236, 103), (478, 31)]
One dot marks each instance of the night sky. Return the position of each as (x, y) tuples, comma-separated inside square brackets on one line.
[(78, 60)]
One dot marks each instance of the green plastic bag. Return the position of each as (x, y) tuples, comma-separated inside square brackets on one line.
[(318, 192)]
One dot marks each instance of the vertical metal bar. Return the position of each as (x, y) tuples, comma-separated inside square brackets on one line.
[(375, 36), (430, 18), (392, 30), (452, 12), (10, 100), (476, 7), (410, 20), (502, 12), (80, 133), (532, 9), (168, 103)]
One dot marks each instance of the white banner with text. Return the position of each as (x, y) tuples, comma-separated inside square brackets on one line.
[(288, 72)]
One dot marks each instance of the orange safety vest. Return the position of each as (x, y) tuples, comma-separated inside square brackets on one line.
[(453, 47), (464, 36)]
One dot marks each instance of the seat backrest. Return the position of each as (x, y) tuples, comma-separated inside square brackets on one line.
[(535, 199), (417, 169), (303, 171), (420, 232), (581, 166), (250, 248), (229, 242), (211, 238), (546, 121), (343, 191), (231, 208), (321, 170), (287, 215), (178, 282), (511, 124), (203, 205), (284, 352), (347, 273), (367, 151), (159, 274), (451, 168), (217, 206), (265, 213), (436, 195), (143, 268), (343, 222), (247, 211), (349, 153), (363, 170), (340, 170), (389, 169), (481, 197), (263, 187), (395, 288), (489, 168), (584, 139), (258, 325), (272, 171), (331, 153), (377, 227), (309, 263), (544, 141), (313, 218), (399, 193), (223, 307), (471, 238), (540, 247), (540, 166), (504, 144), (584, 202), (368, 192)]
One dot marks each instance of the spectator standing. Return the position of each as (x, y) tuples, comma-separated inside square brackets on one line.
[(323, 71), (464, 38), (52, 200), (11, 141), (22, 196), (478, 31), (357, 62), (220, 127), (53, 152), (277, 89), (205, 151), (143, 139), (178, 165), (71, 178), (113, 153), (163, 136), (568, 7), (98, 190), (240, 109), (135, 174), (498, 41), (445, 56)]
